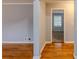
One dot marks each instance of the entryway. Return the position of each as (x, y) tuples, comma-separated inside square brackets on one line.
[(58, 26)]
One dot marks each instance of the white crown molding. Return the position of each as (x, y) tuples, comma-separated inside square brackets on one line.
[(17, 3)]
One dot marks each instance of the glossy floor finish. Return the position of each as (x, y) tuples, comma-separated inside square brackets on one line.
[(17, 51), (58, 51), (58, 36)]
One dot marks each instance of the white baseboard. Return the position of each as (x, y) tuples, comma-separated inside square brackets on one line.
[(75, 57), (48, 42), (68, 41), (42, 48), (36, 57), (64, 42), (16, 42)]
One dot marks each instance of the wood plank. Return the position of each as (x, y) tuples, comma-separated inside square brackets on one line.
[(17, 51), (52, 52)]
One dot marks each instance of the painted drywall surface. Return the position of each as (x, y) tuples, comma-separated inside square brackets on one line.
[(17, 23), (42, 24), (36, 28), (17, 1), (39, 26), (75, 30), (68, 19)]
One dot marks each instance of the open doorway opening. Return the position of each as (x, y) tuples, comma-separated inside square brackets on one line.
[(58, 26)]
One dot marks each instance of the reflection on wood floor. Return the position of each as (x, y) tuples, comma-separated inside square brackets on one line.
[(58, 51), (17, 51), (58, 36), (25, 51)]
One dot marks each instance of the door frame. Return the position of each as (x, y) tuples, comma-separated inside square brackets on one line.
[(51, 22)]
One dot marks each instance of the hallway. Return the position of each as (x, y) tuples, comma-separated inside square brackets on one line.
[(53, 52)]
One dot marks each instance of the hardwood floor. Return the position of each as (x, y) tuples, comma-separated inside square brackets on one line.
[(58, 36), (17, 51), (25, 51), (51, 51)]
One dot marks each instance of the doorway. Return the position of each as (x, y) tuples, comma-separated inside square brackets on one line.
[(58, 26)]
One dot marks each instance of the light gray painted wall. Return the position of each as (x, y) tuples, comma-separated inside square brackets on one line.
[(42, 24), (17, 23), (36, 28), (68, 19), (39, 26), (75, 30), (17, 1)]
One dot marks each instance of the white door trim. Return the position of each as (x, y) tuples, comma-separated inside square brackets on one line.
[(51, 21)]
